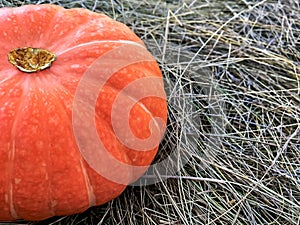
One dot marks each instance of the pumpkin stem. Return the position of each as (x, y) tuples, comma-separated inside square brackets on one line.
[(31, 60)]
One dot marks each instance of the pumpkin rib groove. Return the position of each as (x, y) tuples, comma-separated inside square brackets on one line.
[(89, 187), (12, 210)]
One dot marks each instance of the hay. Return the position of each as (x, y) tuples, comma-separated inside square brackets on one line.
[(231, 72)]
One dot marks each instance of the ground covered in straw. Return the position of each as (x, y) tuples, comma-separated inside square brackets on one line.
[(231, 71)]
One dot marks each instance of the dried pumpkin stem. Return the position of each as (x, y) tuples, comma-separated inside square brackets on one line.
[(31, 60)]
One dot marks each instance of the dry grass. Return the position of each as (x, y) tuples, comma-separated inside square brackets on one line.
[(231, 71)]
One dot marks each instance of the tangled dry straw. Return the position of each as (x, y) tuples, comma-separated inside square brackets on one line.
[(231, 71)]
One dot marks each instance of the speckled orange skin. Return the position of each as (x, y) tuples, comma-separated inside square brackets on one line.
[(42, 172)]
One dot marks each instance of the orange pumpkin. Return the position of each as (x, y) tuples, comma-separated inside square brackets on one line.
[(65, 87)]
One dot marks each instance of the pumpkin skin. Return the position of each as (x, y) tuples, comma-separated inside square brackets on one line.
[(42, 170)]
